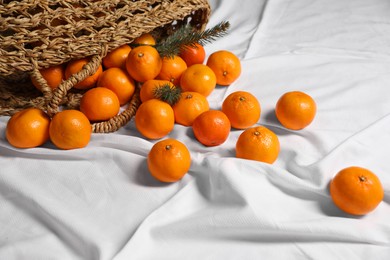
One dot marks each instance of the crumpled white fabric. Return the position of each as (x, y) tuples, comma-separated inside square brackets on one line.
[(100, 202)]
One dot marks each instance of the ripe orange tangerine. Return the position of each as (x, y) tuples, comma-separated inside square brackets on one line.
[(356, 190), (143, 63), (169, 160), (119, 81), (193, 54), (149, 88), (117, 57), (189, 107), (211, 128), (258, 143), (226, 66), (154, 119), (99, 104), (145, 39), (75, 66), (242, 108), (295, 110), (53, 75), (28, 128), (70, 129), (198, 78), (172, 69)]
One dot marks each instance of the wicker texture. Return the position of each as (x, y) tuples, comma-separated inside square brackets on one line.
[(39, 34)]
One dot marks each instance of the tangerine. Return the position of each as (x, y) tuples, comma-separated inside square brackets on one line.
[(143, 63), (169, 160), (356, 190), (75, 66), (195, 54), (99, 104), (198, 78), (189, 107), (242, 108), (117, 57), (28, 128), (154, 119), (211, 128), (258, 143), (119, 81), (145, 39), (53, 75), (226, 66), (172, 69), (295, 110), (70, 129), (149, 88)]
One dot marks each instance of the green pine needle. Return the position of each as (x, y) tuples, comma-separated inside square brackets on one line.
[(167, 93), (188, 36)]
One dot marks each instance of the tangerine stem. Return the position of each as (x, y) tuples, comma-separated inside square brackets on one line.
[(362, 178)]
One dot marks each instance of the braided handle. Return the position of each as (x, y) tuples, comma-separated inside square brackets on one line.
[(42, 83), (116, 122), (54, 99), (57, 96)]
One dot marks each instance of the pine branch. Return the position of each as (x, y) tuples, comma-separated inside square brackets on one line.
[(188, 36), (213, 33), (167, 93)]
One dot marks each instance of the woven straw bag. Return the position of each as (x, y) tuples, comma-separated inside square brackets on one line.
[(38, 34)]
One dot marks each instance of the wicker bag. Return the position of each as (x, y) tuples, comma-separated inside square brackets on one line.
[(38, 34)]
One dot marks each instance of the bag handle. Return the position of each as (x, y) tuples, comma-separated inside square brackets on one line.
[(54, 99)]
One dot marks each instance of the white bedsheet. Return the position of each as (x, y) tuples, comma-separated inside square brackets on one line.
[(100, 202)]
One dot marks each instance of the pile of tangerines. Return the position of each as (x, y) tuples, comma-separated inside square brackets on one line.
[(174, 90)]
